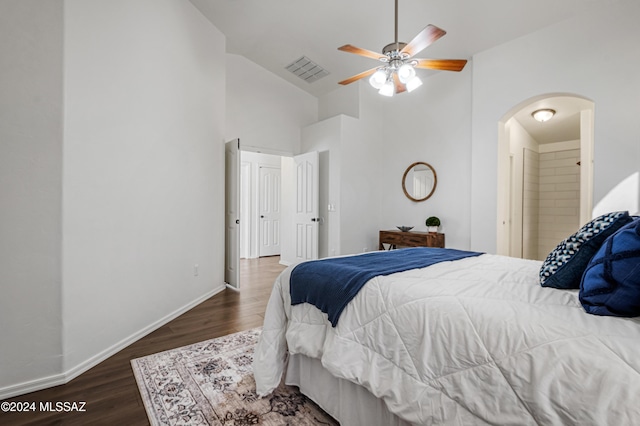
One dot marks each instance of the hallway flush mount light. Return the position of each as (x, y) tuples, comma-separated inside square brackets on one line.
[(543, 115)]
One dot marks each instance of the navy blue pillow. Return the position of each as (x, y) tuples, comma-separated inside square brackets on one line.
[(611, 283), (564, 266)]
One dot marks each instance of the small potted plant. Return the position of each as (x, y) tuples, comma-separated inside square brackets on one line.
[(432, 224)]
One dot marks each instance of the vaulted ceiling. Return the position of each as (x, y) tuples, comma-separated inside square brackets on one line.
[(275, 33)]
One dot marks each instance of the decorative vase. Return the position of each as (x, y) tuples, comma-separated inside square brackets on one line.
[(432, 229)]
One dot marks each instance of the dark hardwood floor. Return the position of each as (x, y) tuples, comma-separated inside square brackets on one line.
[(109, 389)]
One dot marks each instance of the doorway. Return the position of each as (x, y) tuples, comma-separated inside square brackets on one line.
[(260, 204), (545, 174), (272, 184)]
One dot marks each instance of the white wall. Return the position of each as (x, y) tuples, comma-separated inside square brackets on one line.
[(143, 169), (349, 183), (326, 138), (574, 56), (112, 171), (361, 200), (344, 100), (264, 110), (31, 34), (431, 124)]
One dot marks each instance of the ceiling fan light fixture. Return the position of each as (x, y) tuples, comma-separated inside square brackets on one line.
[(387, 89), (543, 115), (400, 63), (413, 84), (406, 73), (378, 78)]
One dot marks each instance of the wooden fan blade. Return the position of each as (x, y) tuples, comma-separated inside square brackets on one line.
[(442, 64), (399, 86), (428, 35), (362, 52), (358, 76)]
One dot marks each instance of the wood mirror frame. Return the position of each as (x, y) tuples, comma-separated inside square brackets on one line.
[(404, 180)]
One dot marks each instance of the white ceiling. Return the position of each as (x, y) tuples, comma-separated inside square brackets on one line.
[(274, 33), (563, 126)]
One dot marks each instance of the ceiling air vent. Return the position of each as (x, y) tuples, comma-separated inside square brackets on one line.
[(307, 70)]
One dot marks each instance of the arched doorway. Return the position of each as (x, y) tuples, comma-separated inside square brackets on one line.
[(545, 174)]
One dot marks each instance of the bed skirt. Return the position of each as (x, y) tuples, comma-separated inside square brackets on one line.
[(347, 402)]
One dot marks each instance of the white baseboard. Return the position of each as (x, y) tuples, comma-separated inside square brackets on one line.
[(32, 386), (72, 373)]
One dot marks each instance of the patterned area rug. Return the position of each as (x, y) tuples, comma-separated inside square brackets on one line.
[(211, 383)]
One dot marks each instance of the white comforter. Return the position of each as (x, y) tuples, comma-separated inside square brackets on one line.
[(475, 341)]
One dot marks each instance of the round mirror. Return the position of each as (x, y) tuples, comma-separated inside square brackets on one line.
[(419, 181)]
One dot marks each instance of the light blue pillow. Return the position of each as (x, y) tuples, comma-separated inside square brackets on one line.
[(564, 266)]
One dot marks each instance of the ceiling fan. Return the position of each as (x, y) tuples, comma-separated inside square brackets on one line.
[(398, 73)]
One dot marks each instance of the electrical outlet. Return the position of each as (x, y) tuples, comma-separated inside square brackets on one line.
[(196, 270), (364, 250)]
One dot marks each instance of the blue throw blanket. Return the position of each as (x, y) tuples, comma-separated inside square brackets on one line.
[(329, 284)]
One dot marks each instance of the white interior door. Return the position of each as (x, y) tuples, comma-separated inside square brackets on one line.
[(232, 216), (515, 201), (245, 209), (269, 211), (307, 219)]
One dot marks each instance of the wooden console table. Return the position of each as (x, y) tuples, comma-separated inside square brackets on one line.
[(410, 239)]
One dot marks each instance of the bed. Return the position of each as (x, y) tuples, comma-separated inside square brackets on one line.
[(471, 341)]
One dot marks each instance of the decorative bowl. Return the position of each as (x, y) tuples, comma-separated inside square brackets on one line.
[(405, 228)]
